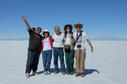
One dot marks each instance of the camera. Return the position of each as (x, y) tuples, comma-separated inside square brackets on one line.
[(78, 46)]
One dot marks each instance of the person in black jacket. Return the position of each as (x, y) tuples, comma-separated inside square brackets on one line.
[(34, 48)]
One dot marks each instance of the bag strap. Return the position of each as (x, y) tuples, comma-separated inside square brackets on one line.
[(77, 38)]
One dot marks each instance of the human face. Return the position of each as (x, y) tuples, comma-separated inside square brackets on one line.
[(68, 29), (38, 30), (57, 31), (78, 28), (46, 34)]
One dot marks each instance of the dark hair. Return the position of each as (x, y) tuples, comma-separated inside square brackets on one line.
[(39, 28), (46, 32), (65, 27), (33, 29)]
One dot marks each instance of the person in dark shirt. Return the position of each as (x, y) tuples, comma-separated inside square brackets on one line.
[(34, 48)]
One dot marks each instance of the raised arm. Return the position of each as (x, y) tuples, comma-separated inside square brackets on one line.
[(27, 24)]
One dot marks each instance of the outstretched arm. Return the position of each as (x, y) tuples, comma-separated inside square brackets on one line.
[(90, 44), (27, 24)]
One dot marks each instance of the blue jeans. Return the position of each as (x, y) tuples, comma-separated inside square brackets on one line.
[(47, 56), (58, 52)]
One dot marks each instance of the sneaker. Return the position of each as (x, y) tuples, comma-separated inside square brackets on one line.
[(56, 72), (72, 73), (83, 75), (77, 74), (34, 73), (44, 72), (47, 72), (68, 72), (63, 73), (27, 75)]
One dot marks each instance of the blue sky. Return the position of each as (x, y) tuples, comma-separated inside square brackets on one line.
[(101, 18)]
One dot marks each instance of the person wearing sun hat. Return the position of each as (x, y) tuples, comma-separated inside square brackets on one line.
[(81, 38), (78, 25), (47, 44)]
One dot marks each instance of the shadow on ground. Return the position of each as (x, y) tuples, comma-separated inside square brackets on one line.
[(86, 71), (90, 71)]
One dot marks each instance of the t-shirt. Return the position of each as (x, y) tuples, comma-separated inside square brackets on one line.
[(81, 41), (67, 39), (46, 44), (58, 40), (34, 40)]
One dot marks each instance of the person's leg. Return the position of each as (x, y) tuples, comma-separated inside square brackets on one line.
[(67, 61), (49, 57), (82, 61), (29, 61), (71, 60), (61, 56), (55, 52), (35, 62), (44, 56), (77, 56)]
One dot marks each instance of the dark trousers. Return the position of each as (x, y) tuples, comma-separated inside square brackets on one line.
[(47, 56), (69, 56), (58, 52), (32, 61)]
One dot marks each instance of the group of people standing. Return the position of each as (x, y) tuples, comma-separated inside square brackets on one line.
[(69, 44)]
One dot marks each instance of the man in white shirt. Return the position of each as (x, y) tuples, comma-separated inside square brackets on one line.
[(80, 49), (58, 49)]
